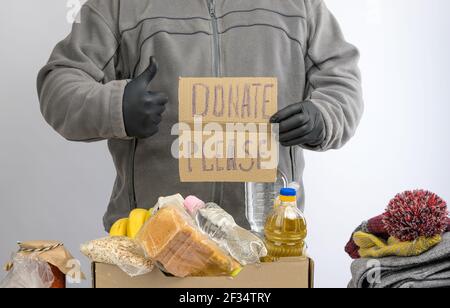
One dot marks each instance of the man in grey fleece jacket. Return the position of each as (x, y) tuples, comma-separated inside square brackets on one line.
[(82, 87)]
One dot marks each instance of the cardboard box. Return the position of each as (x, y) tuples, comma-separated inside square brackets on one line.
[(287, 273)]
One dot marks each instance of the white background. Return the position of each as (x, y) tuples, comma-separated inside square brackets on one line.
[(53, 189)]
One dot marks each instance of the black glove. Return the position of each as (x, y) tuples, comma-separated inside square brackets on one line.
[(143, 109), (300, 124)]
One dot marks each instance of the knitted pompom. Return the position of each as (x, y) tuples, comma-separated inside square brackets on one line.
[(414, 214)]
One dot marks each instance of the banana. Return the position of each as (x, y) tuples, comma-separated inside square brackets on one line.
[(120, 228), (136, 220), (130, 226), (149, 214)]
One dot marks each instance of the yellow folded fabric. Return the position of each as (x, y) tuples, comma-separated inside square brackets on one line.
[(374, 247)]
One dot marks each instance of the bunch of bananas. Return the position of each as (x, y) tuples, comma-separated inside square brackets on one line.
[(130, 226)]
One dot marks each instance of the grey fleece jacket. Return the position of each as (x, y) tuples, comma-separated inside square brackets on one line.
[(298, 41)]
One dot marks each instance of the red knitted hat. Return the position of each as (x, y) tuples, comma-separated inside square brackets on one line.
[(414, 214)]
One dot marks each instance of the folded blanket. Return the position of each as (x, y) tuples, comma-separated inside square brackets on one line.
[(428, 270), (374, 226)]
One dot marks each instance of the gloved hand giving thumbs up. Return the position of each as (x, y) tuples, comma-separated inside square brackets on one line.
[(143, 109)]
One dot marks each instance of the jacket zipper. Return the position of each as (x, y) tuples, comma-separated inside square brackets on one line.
[(217, 192), (293, 164), (132, 190), (215, 42), (216, 69)]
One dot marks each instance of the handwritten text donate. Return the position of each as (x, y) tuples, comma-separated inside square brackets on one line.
[(242, 102), (225, 135)]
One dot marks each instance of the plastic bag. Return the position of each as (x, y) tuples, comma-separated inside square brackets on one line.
[(172, 239), (221, 227), (120, 251), (177, 200), (28, 272), (241, 244), (55, 254)]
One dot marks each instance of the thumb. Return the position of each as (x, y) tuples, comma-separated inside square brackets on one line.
[(147, 76)]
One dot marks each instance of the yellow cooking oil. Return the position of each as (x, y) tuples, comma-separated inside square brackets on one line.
[(285, 230)]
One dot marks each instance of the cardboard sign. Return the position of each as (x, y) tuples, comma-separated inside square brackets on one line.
[(225, 134)]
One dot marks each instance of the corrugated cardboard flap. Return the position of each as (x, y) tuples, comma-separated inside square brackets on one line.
[(287, 273)]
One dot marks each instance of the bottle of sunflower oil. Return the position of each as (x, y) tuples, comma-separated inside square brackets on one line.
[(285, 228)]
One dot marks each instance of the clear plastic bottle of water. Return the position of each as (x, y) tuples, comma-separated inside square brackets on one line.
[(220, 226), (260, 199)]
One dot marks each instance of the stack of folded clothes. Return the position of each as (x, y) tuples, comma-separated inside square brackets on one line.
[(406, 247), (374, 231), (428, 270)]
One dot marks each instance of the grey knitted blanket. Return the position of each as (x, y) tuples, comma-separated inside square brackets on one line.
[(429, 270)]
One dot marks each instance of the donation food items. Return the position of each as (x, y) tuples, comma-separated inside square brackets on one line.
[(121, 251), (120, 227), (41, 264), (130, 226), (220, 226), (191, 238), (136, 220), (27, 272), (171, 238), (285, 228)]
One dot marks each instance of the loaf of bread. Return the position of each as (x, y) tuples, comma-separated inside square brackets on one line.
[(172, 239)]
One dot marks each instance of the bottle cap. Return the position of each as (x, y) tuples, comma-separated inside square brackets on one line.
[(288, 195), (192, 204), (288, 192)]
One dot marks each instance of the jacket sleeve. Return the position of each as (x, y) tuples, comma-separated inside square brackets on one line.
[(78, 91), (333, 76)]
